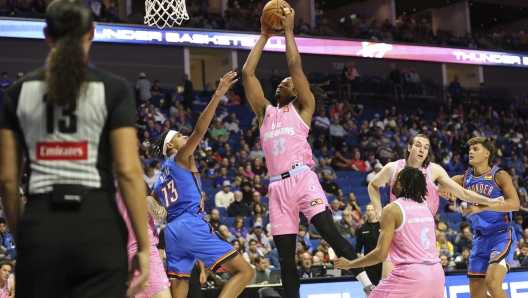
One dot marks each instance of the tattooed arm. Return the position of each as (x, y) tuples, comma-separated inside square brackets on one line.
[(156, 210)]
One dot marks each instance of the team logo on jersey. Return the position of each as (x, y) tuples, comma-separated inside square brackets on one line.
[(316, 202), (286, 109), (62, 151), (494, 254), (488, 177)]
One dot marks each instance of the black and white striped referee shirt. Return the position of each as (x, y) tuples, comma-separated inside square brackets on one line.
[(68, 145)]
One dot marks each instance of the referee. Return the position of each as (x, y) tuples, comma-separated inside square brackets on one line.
[(73, 122), (367, 239)]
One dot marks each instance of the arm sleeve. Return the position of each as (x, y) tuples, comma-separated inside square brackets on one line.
[(122, 108), (359, 240)]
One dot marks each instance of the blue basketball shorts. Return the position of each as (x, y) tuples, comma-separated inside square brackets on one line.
[(491, 249)]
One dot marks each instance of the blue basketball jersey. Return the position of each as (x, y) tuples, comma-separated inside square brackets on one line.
[(485, 185), (179, 190)]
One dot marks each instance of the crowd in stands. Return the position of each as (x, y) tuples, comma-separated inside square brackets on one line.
[(350, 145)]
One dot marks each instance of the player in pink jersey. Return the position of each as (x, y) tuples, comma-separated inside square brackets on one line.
[(7, 285), (416, 155), (158, 285), (284, 133), (408, 233)]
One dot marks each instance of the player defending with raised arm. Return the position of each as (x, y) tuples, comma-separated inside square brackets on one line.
[(408, 232), (416, 155), (188, 236), (494, 242), (284, 132)]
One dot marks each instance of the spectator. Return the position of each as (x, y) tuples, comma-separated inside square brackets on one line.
[(218, 130), (517, 226), (377, 169), (96, 9), (224, 197), (263, 244), (156, 89), (257, 168), (376, 122), (454, 165), (261, 272), (465, 239), (455, 89), (150, 176), (462, 261), (256, 200), (357, 164), (320, 141), (443, 246), (414, 76), (301, 247), (275, 79), (341, 159), (238, 208), (349, 73), (257, 186), (256, 152), (515, 163), (522, 256), (323, 248), (238, 230), (322, 123), (346, 224), (233, 99), (143, 88), (322, 167), (214, 220), (394, 75), (219, 180), (252, 251), (385, 151), (337, 132), (445, 261), (188, 91), (6, 239), (5, 83), (337, 214), (319, 15), (232, 124), (306, 268), (330, 188)]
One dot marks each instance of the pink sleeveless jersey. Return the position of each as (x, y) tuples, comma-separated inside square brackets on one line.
[(5, 291), (432, 190), (151, 228), (414, 241), (284, 137)]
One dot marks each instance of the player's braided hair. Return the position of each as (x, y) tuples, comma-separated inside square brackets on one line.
[(320, 96), (156, 145), (412, 185)]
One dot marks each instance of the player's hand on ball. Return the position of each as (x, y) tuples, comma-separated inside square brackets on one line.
[(226, 81), (341, 263), (288, 20), (266, 30)]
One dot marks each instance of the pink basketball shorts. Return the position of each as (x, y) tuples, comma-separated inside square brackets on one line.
[(158, 279), (300, 192), (412, 281)]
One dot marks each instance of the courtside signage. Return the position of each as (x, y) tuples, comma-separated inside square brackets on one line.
[(222, 39)]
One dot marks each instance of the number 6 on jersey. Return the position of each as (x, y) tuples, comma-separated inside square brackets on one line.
[(170, 193)]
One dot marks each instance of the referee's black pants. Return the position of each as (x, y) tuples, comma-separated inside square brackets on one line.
[(72, 253)]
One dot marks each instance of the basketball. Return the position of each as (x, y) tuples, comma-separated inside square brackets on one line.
[(268, 13)]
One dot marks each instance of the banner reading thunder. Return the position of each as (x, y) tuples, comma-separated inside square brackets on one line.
[(242, 41)]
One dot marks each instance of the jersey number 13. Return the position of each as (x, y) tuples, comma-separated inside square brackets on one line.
[(170, 193)]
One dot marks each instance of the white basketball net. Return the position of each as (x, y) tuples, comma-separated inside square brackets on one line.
[(165, 13)]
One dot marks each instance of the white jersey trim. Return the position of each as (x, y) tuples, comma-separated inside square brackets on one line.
[(297, 113), (403, 216)]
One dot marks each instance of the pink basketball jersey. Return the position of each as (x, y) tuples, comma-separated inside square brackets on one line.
[(5, 291), (152, 231), (284, 138), (414, 241), (432, 189)]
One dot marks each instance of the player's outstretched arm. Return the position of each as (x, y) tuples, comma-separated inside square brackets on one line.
[(458, 191), (511, 202), (254, 92), (158, 212), (302, 86), (187, 150), (390, 219), (381, 178)]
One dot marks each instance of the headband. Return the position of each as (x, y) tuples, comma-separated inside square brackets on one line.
[(168, 138)]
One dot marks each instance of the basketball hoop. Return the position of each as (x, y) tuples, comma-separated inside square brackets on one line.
[(165, 13)]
